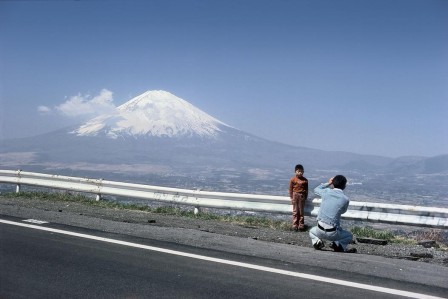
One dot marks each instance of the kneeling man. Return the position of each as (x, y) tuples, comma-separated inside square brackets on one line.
[(334, 204)]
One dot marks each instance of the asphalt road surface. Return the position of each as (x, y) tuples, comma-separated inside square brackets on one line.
[(58, 261)]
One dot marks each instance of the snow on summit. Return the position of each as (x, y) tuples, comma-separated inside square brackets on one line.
[(153, 113)]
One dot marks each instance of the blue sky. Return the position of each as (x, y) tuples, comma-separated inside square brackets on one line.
[(368, 77)]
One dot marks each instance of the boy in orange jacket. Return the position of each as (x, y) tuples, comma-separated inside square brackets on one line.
[(298, 192)]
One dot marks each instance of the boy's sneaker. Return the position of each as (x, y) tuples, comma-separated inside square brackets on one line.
[(319, 245), (337, 247)]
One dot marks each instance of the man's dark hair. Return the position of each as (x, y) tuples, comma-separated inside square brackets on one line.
[(298, 166), (339, 182)]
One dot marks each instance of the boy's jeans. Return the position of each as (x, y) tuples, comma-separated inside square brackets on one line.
[(339, 236), (298, 209)]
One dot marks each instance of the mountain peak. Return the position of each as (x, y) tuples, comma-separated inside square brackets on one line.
[(153, 113)]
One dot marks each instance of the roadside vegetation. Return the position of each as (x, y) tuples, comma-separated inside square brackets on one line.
[(166, 210), (368, 232), (439, 236)]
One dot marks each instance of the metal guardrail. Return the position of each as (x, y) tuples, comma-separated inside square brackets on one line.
[(364, 211)]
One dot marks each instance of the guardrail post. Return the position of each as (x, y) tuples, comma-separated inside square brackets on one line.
[(18, 178), (98, 195), (197, 209)]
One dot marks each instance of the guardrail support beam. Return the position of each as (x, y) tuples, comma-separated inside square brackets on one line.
[(364, 211)]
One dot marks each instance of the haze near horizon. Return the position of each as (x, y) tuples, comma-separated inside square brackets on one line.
[(358, 76)]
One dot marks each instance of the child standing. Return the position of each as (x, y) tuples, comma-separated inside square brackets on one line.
[(298, 192)]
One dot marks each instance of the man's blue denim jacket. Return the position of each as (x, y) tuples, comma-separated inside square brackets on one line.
[(334, 204)]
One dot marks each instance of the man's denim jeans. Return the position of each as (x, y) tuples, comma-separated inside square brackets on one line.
[(339, 236)]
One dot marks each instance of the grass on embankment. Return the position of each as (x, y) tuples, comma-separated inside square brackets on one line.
[(253, 221), (166, 210)]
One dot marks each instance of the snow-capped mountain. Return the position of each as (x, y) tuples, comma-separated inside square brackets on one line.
[(153, 113)]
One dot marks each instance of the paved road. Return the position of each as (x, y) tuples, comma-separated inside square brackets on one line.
[(72, 262)]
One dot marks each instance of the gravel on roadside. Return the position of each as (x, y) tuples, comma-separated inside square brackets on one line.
[(435, 255)]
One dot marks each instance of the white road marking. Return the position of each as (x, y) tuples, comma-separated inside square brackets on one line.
[(233, 263), (35, 221)]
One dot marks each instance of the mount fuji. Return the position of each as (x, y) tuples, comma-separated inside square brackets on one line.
[(158, 138), (153, 113)]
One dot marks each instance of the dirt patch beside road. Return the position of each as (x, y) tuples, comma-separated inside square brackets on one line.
[(19, 207)]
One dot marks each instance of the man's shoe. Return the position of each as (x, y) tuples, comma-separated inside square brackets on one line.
[(351, 250), (337, 247), (319, 245)]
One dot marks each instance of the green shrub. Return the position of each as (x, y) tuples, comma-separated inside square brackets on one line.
[(368, 232)]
